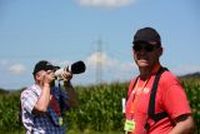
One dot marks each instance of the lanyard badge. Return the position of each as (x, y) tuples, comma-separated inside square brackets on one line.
[(132, 103), (60, 121), (129, 125)]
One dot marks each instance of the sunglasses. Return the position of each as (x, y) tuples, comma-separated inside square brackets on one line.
[(146, 47)]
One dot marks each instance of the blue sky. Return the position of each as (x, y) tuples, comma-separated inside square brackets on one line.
[(65, 31)]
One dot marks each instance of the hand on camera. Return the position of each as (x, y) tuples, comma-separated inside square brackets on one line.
[(67, 75)]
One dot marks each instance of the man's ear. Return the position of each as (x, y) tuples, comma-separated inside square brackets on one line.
[(160, 51), (38, 76)]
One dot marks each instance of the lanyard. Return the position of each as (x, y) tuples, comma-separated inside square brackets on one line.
[(138, 90), (136, 93)]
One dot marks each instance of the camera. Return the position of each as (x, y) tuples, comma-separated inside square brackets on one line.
[(75, 68)]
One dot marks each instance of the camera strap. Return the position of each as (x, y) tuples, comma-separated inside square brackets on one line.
[(151, 108)]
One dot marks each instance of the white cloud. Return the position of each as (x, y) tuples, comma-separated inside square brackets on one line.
[(104, 60), (17, 69), (98, 58), (111, 69), (105, 3)]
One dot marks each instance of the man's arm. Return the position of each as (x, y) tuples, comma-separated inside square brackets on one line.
[(184, 125), (72, 95), (43, 101), (44, 80)]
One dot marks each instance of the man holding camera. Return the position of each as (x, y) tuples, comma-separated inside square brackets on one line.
[(43, 103)]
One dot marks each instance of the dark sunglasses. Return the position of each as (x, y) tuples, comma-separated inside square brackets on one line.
[(146, 47)]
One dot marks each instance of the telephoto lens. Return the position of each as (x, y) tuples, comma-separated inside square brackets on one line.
[(76, 68)]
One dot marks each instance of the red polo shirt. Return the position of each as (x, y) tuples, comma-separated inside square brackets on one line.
[(170, 97)]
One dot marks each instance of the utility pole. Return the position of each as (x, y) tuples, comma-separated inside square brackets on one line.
[(99, 62)]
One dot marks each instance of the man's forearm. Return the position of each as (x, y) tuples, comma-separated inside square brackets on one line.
[(185, 126), (43, 101), (72, 101)]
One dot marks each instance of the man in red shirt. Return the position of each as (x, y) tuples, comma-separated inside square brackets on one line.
[(170, 97)]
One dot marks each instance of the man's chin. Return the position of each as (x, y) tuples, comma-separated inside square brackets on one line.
[(143, 66)]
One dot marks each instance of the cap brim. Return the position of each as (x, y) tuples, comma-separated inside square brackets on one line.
[(140, 41), (147, 42), (51, 67)]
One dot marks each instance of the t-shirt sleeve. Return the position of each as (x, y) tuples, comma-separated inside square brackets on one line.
[(28, 100), (175, 100)]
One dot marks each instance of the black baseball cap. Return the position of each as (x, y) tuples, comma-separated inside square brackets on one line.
[(44, 65), (147, 35)]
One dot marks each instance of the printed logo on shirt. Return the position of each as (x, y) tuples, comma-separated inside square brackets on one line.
[(146, 90)]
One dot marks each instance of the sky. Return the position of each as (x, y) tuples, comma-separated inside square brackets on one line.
[(97, 32)]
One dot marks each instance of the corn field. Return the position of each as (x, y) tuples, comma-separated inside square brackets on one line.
[(99, 110)]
